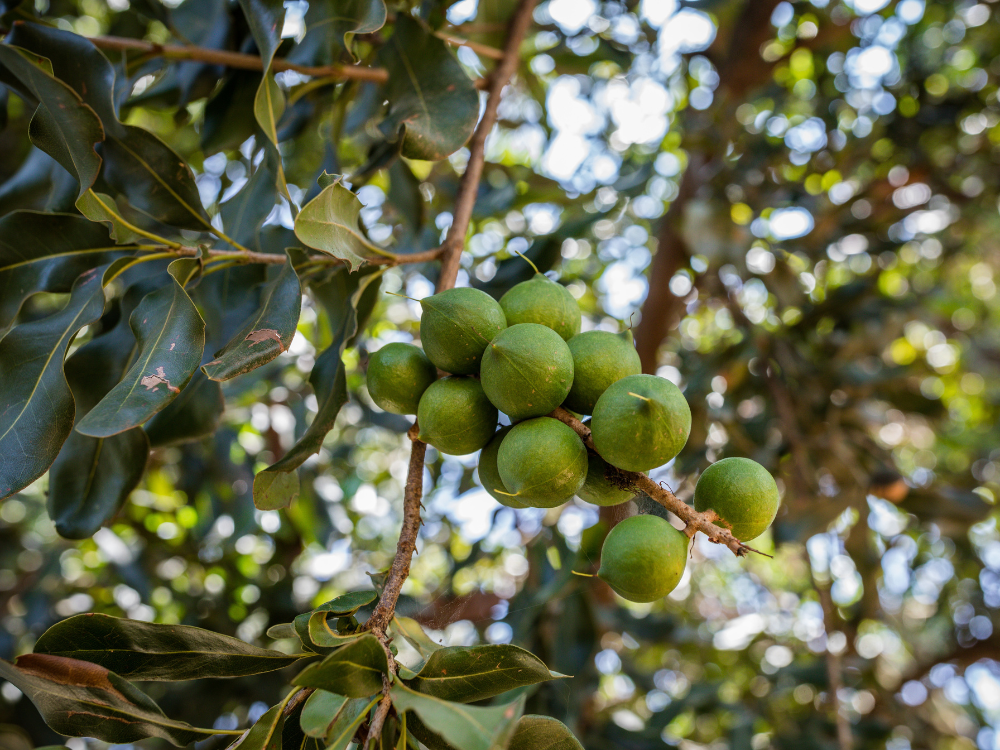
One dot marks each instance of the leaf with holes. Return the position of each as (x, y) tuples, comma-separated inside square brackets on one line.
[(147, 651), (171, 336), (354, 670), (36, 404), (462, 726), (542, 733), (431, 99), (80, 699), (46, 253), (269, 332), (63, 126), (473, 673), (330, 223)]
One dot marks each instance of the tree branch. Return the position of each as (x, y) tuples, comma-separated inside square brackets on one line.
[(845, 740), (693, 520), (450, 253), (274, 259), (469, 187)]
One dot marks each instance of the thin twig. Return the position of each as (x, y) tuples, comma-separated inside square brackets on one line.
[(243, 61), (469, 187), (276, 259), (693, 520)]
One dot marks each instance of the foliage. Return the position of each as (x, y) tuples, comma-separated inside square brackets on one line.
[(799, 199)]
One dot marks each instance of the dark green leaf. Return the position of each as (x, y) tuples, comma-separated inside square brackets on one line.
[(63, 126), (265, 734), (243, 214), (339, 294), (414, 634), (274, 490), (342, 606), (92, 477), (80, 699), (147, 651), (265, 18), (430, 97), (330, 222), (36, 404), (322, 635), (194, 414), (472, 673), (542, 733), (46, 253), (332, 24), (328, 715), (465, 727), (354, 670), (137, 164), (268, 333), (171, 337)]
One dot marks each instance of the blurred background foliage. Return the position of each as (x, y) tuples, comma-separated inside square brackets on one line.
[(795, 204)]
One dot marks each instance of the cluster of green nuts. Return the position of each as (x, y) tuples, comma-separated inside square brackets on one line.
[(524, 356)]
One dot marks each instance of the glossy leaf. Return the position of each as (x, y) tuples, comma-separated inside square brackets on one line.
[(63, 126), (473, 673), (268, 333), (330, 223), (265, 18), (331, 26), (137, 164), (431, 99), (542, 733), (147, 651), (465, 727), (265, 734), (101, 207), (92, 477), (327, 714), (171, 337), (339, 294), (80, 699), (36, 404), (354, 670), (46, 253), (243, 214), (341, 606)]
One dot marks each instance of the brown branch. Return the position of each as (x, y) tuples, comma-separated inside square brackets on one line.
[(469, 187), (693, 520), (834, 669), (275, 259)]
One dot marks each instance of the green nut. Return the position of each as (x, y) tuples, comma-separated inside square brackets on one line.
[(643, 558), (543, 301), (640, 422), (542, 462), (600, 489), (742, 493), (455, 416), (527, 371), (489, 474), (456, 325), (398, 375), (600, 359)]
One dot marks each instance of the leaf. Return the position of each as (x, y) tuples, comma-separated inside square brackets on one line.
[(465, 727), (101, 207), (414, 634), (195, 413), (266, 19), (339, 295), (473, 673), (80, 699), (542, 733), (63, 126), (171, 336), (46, 253), (330, 223), (341, 606), (327, 714), (273, 490), (331, 26), (36, 404), (137, 164), (91, 478), (430, 97), (282, 630), (322, 635), (243, 214), (268, 333), (147, 651), (354, 670), (265, 734)]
